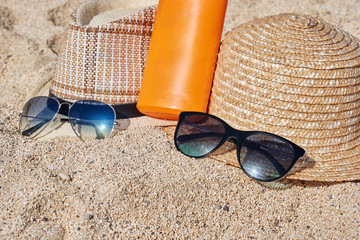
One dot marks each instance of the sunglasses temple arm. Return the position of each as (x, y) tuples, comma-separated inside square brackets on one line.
[(273, 160), (121, 124), (196, 126), (267, 152), (33, 129), (304, 158), (194, 136), (252, 145)]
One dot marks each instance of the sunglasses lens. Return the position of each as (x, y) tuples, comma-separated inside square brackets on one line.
[(92, 119), (198, 135), (37, 114), (266, 157)]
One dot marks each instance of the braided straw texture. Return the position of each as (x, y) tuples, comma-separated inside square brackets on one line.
[(298, 77), (105, 62)]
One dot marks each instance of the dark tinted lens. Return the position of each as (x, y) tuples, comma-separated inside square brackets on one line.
[(266, 157), (37, 114), (198, 135), (92, 119)]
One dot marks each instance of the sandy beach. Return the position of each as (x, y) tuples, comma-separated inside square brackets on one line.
[(136, 185)]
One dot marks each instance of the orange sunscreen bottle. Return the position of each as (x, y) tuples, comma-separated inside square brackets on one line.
[(181, 59)]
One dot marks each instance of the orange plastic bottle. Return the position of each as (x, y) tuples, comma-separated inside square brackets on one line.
[(181, 59)]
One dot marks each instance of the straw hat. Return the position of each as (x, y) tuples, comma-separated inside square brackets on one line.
[(104, 58), (105, 52), (298, 77)]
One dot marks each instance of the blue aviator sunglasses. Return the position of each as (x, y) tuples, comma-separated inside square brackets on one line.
[(262, 156), (90, 119)]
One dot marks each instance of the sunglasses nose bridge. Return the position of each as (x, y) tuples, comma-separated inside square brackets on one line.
[(65, 103), (237, 137), (64, 108), (234, 135)]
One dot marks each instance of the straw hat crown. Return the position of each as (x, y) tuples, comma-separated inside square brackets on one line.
[(298, 77)]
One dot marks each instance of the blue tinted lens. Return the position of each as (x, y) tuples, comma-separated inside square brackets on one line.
[(92, 119), (37, 114)]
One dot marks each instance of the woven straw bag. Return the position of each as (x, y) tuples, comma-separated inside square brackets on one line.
[(298, 77), (105, 52)]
